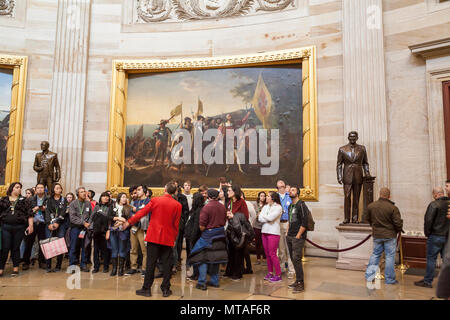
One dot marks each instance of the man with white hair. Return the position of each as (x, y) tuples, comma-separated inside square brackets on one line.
[(79, 212), (436, 230)]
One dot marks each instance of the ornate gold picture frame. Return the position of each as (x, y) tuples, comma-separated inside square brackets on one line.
[(14, 140), (117, 125)]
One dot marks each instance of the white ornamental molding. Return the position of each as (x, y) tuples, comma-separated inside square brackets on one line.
[(148, 11), (7, 7)]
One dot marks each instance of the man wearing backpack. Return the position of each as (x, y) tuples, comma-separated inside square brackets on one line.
[(296, 236)]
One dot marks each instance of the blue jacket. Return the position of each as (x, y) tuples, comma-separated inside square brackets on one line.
[(285, 203), (207, 237), (210, 248)]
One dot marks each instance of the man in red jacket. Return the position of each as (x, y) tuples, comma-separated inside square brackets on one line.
[(161, 235)]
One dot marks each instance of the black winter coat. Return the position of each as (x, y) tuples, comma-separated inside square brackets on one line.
[(436, 221), (22, 210), (216, 254), (239, 230), (56, 209), (102, 220), (181, 198), (192, 230)]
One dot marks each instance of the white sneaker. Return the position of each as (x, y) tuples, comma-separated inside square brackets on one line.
[(291, 275)]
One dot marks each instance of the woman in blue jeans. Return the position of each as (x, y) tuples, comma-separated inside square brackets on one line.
[(117, 237), (16, 219)]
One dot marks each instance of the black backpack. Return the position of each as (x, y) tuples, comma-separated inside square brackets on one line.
[(311, 223)]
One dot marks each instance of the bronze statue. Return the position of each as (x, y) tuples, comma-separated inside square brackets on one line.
[(47, 166), (351, 162)]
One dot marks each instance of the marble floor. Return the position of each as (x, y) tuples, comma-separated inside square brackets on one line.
[(322, 281)]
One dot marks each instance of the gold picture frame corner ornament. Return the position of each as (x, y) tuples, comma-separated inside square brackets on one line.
[(18, 91), (305, 56)]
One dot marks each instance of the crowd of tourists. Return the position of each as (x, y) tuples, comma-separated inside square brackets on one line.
[(136, 233)]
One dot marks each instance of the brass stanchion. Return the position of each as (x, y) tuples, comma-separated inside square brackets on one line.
[(379, 276), (403, 267), (381, 267), (303, 256)]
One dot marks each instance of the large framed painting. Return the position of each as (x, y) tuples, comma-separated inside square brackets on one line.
[(13, 70), (250, 118)]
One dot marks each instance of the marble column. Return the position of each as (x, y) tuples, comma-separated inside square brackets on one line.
[(364, 82), (69, 88)]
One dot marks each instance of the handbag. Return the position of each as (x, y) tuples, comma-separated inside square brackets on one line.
[(53, 247)]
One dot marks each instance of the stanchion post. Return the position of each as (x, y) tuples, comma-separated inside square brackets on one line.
[(303, 255), (403, 267)]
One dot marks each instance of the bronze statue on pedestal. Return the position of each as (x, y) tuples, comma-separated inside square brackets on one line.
[(47, 166), (351, 162)]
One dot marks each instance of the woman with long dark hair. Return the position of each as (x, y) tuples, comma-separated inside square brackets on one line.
[(56, 218), (235, 201), (192, 230), (16, 219), (118, 238), (100, 219), (69, 198), (260, 203), (223, 195), (270, 218), (238, 231)]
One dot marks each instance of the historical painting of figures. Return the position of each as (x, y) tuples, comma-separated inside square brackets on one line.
[(6, 78), (243, 123)]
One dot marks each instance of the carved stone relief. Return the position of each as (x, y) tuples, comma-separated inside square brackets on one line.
[(148, 11), (7, 7)]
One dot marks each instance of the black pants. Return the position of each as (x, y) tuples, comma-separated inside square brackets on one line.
[(100, 247), (39, 231), (259, 245), (164, 254), (180, 237), (235, 265), (295, 247), (248, 261), (12, 236)]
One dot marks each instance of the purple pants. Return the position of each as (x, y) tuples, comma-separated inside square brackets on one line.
[(270, 243)]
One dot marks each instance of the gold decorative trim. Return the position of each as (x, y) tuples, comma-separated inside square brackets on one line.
[(211, 62), (12, 61), (16, 115), (117, 127)]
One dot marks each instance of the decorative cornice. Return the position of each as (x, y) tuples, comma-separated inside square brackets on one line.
[(211, 62), (432, 48)]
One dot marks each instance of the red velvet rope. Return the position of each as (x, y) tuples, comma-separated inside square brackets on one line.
[(351, 248), (340, 250)]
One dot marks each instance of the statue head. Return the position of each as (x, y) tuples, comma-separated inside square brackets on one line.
[(45, 145), (353, 137)]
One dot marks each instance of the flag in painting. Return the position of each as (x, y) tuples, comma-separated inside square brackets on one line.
[(199, 109), (176, 112), (262, 102)]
